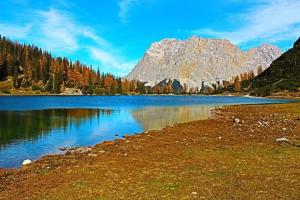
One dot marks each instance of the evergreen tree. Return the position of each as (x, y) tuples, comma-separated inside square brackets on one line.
[(49, 84), (119, 87), (202, 87), (237, 84), (15, 75), (91, 85), (57, 82), (3, 70)]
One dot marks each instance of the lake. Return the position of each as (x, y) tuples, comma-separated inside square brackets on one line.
[(31, 127)]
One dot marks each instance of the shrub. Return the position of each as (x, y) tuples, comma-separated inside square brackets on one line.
[(5, 91), (35, 87)]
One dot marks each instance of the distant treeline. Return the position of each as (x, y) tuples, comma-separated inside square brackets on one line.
[(31, 67)]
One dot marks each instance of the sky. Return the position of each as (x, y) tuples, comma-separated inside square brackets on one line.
[(113, 35)]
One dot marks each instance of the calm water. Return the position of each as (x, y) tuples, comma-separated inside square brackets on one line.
[(31, 127)]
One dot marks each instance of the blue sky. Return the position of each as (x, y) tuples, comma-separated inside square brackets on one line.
[(114, 34)]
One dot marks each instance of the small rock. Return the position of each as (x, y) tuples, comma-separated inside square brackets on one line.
[(194, 193), (92, 154), (63, 148), (101, 151), (220, 137), (236, 120), (284, 129), (283, 140), (84, 149), (26, 162)]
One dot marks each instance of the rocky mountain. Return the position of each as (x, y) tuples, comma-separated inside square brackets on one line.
[(196, 59), (283, 74), (167, 86)]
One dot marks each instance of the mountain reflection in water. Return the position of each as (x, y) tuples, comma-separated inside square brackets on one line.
[(153, 118)]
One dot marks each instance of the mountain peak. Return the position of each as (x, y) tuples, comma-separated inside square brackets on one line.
[(198, 59)]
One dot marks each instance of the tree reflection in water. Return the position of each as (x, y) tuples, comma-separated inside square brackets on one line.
[(15, 126)]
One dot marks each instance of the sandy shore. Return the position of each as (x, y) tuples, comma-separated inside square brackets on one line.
[(209, 159)]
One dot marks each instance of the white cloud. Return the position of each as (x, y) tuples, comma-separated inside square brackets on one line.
[(270, 21), (56, 30), (112, 61), (99, 40), (125, 6), (61, 32)]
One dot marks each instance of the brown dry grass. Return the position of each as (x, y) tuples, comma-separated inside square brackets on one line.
[(209, 159)]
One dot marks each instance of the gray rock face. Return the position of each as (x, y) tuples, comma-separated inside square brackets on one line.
[(196, 59)]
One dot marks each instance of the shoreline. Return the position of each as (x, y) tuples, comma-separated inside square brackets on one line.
[(83, 149), (198, 95), (153, 148)]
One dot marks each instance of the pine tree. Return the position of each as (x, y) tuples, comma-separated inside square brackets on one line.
[(3, 70), (237, 84), (91, 85), (119, 87), (202, 87), (15, 75), (56, 82)]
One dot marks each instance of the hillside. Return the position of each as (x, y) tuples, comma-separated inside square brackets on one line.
[(198, 60), (282, 75), (27, 69)]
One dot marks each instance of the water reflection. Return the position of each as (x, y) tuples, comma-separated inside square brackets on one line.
[(53, 122), (159, 117), (30, 125), (31, 134)]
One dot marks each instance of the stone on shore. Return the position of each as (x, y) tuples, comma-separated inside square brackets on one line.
[(26, 162), (283, 140), (236, 120)]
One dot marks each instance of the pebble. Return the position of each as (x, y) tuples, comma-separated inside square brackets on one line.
[(26, 162), (194, 193), (283, 140), (236, 120)]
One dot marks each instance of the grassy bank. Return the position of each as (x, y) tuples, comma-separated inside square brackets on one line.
[(209, 159)]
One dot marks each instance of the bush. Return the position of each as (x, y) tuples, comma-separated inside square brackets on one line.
[(35, 87), (5, 91)]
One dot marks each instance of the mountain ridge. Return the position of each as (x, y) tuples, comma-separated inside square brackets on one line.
[(197, 59), (282, 75)]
